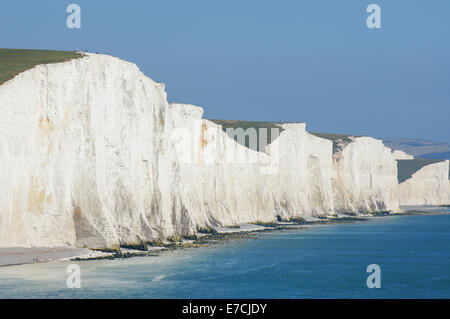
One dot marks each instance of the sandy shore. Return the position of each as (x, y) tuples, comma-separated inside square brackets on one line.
[(19, 255)]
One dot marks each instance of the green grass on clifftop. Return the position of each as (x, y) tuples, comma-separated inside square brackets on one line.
[(14, 61)]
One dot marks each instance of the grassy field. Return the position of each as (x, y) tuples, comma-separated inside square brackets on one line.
[(248, 124), (406, 168), (14, 61)]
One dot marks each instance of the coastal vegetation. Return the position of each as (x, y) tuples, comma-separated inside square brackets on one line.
[(296, 220), (207, 230), (15, 61)]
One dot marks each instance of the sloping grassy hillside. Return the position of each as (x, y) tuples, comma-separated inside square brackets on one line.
[(248, 124), (419, 148), (406, 168), (15, 61)]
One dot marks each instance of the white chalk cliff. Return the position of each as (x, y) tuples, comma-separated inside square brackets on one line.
[(365, 177), (401, 155), (93, 155), (429, 185)]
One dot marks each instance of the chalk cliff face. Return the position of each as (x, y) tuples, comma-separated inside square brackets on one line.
[(81, 151), (93, 155), (365, 177), (290, 179), (427, 186), (400, 155)]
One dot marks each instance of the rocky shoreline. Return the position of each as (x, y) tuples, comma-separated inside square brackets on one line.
[(222, 235), (206, 237)]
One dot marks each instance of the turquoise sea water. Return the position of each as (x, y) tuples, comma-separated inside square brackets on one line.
[(319, 262)]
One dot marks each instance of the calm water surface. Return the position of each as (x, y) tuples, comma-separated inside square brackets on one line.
[(320, 262)]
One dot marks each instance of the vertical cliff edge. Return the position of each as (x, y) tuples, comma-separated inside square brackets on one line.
[(424, 182), (93, 155)]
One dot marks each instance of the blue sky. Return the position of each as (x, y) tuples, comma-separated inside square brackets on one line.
[(300, 61)]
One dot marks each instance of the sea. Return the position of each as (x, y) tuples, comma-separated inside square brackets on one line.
[(411, 255)]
